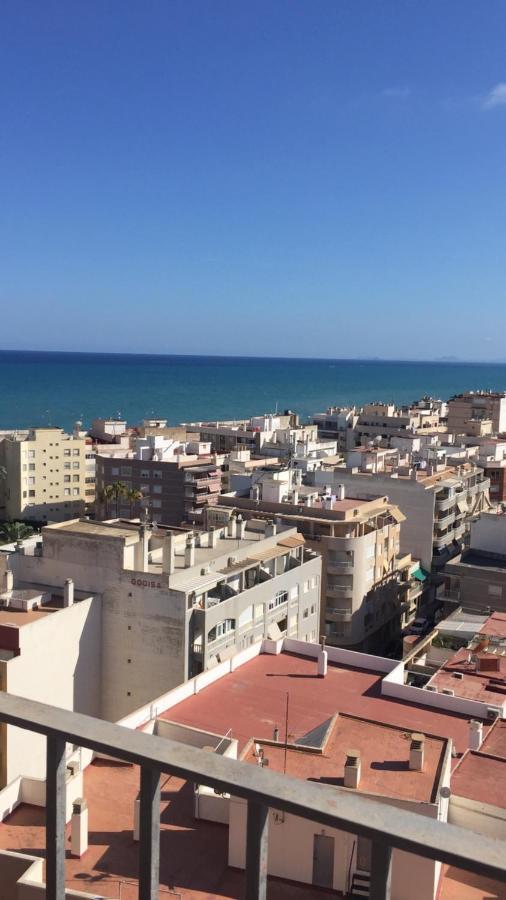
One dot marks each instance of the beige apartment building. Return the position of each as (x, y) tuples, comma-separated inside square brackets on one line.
[(477, 406), (438, 503), (50, 475), (368, 591)]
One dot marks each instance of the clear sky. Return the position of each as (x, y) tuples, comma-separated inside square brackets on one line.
[(258, 177)]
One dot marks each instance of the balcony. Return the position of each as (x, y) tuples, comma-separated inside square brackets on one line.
[(340, 590), (339, 568), (339, 615), (262, 790)]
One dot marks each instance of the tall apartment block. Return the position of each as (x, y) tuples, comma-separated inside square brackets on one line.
[(438, 503), (173, 491), (50, 475), (477, 406), (368, 591)]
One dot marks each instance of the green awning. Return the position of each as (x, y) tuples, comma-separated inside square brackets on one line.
[(419, 574)]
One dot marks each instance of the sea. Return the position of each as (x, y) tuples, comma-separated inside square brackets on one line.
[(46, 388)]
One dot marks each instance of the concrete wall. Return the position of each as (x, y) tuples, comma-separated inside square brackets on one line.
[(298, 834), (22, 878), (488, 533), (481, 817), (59, 664)]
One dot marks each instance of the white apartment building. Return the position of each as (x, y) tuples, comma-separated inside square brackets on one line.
[(438, 503), (172, 603)]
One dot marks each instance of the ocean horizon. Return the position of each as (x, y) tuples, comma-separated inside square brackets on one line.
[(60, 387)]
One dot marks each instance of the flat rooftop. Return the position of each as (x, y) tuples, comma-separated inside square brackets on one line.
[(495, 626), (482, 778), (462, 676), (193, 853), (384, 754), (89, 528), (252, 701)]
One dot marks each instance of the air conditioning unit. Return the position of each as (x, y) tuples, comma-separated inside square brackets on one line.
[(459, 675), (430, 687), (448, 691)]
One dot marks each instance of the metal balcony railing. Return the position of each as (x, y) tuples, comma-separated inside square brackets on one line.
[(387, 827)]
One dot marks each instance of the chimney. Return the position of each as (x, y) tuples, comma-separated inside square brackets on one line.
[(340, 492), (322, 660), (275, 735), (270, 528), (240, 527), (189, 552), (79, 828), (213, 537), (475, 734), (8, 580), (141, 550), (168, 555), (231, 525), (255, 493), (352, 769), (416, 751), (68, 592)]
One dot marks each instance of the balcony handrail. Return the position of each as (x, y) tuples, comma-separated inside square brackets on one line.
[(263, 789)]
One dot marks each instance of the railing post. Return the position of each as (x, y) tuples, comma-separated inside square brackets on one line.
[(149, 834), (257, 848), (55, 818), (381, 870)]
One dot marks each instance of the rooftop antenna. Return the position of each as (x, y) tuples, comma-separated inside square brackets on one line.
[(286, 731)]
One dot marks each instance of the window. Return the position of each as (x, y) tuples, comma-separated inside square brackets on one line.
[(24, 493), (75, 477), (156, 504), (31, 493), (66, 477), (31, 454), (66, 452), (494, 590), (31, 467), (114, 470), (144, 473), (66, 492), (306, 586), (305, 613), (294, 593), (76, 465), (221, 629), (278, 599), (66, 465), (157, 489), (157, 473), (312, 610), (75, 452), (31, 481), (125, 470), (24, 467), (75, 492)]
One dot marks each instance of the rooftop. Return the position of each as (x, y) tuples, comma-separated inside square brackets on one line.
[(476, 675), (251, 701), (495, 626), (384, 754)]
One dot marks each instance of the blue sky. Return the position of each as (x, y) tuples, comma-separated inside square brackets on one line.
[(319, 178)]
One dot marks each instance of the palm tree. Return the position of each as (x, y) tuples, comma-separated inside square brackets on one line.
[(14, 531), (133, 496), (105, 496), (119, 490)]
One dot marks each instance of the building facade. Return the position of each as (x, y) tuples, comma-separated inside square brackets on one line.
[(50, 475)]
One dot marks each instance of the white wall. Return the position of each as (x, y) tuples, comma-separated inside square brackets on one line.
[(481, 817), (489, 533), (59, 664)]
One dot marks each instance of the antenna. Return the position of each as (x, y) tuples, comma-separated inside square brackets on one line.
[(286, 731)]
